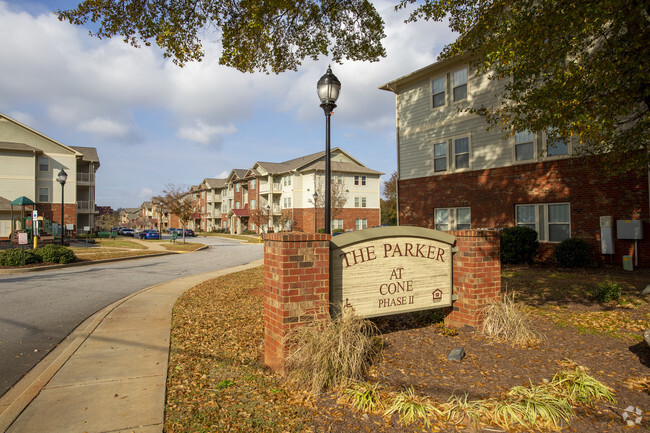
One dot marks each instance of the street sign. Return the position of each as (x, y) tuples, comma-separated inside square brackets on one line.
[(34, 214), (22, 238)]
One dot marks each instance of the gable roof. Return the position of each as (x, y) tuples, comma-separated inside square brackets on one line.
[(88, 154), (215, 183), (422, 73), (14, 121), (4, 145)]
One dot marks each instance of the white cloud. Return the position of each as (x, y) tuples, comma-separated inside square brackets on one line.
[(104, 93), (205, 134)]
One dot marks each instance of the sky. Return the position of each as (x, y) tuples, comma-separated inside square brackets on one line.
[(155, 124)]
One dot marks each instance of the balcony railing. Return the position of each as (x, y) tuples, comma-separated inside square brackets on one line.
[(86, 206), (85, 177)]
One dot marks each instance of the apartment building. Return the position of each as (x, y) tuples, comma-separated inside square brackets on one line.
[(279, 196), (29, 164), (454, 173)]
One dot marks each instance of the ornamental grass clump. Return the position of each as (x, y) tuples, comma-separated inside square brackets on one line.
[(364, 396), (531, 407), (581, 388), (506, 321), (332, 353), (412, 408)]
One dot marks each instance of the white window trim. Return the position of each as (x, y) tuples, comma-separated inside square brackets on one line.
[(453, 220), (542, 209), (451, 148), (39, 194), (434, 78), (39, 164), (545, 147), (535, 150), (433, 150), (451, 86)]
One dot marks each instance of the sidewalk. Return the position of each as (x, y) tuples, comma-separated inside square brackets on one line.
[(109, 375)]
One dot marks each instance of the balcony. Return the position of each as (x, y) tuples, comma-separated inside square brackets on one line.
[(84, 206), (265, 188), (85, 178)]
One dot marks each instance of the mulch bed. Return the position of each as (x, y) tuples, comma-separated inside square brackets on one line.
[(415, 354), (418, 357)]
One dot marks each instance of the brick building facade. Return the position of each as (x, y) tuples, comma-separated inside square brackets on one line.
[(456, 174)]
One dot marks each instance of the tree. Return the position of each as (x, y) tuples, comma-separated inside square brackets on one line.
[(269, 36), (338, 194), (582, 68), (107, 221), (178, 200), (389, 202)]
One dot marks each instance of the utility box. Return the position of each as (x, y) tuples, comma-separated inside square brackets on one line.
[(606, 235), (629, 229), (627, 263)]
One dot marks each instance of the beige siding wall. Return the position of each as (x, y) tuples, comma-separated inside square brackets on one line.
[(17, 175), (420, 126)]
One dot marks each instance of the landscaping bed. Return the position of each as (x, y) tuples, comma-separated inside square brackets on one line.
[(217, 380)]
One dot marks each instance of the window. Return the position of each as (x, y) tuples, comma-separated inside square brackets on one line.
[(459, 82), (43, 163), (337, 224), (363, 202), (356, 202), (461, 152), (237, 205), (43, 194), (453, 218), (287, 180), (438, 89), (237, 187), (253, 204), (253, 183), (287, 202), (440, 157), (524, 146), (356, 180), (556, 147), (337, 178), (552, 222), (360, 223), (359, 202), (363, 180)]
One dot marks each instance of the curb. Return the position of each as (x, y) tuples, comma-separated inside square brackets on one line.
[(16, 399), (117, 259)]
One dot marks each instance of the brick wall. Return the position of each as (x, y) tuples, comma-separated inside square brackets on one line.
[(492, 195), (52, 212), (296, 278), (476, 276), (304, 218)]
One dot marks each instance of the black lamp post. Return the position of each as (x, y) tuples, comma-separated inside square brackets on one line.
[(268, 213), (62, 177), (328, 91), (315, 213)]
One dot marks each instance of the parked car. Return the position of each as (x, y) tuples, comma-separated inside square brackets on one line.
[(149, 234), (189, 232), (126, 232), (173, 231)]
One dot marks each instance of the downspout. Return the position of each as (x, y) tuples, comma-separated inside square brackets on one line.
[(398, 154)]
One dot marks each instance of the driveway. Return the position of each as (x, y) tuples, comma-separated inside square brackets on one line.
[(39, 309)]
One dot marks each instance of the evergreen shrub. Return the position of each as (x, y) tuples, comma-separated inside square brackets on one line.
[(574, 253), (518, 245)]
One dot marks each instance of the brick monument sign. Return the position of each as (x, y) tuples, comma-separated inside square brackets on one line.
[(380, 271)]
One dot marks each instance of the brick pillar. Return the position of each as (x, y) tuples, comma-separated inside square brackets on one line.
[(296, 279), (477, 276)]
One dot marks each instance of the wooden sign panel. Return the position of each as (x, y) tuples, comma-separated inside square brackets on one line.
[(391, 270)]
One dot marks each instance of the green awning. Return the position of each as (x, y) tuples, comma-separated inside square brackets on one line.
[(22, 201)]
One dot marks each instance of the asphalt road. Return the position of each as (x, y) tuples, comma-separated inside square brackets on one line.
[(39, 309)]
